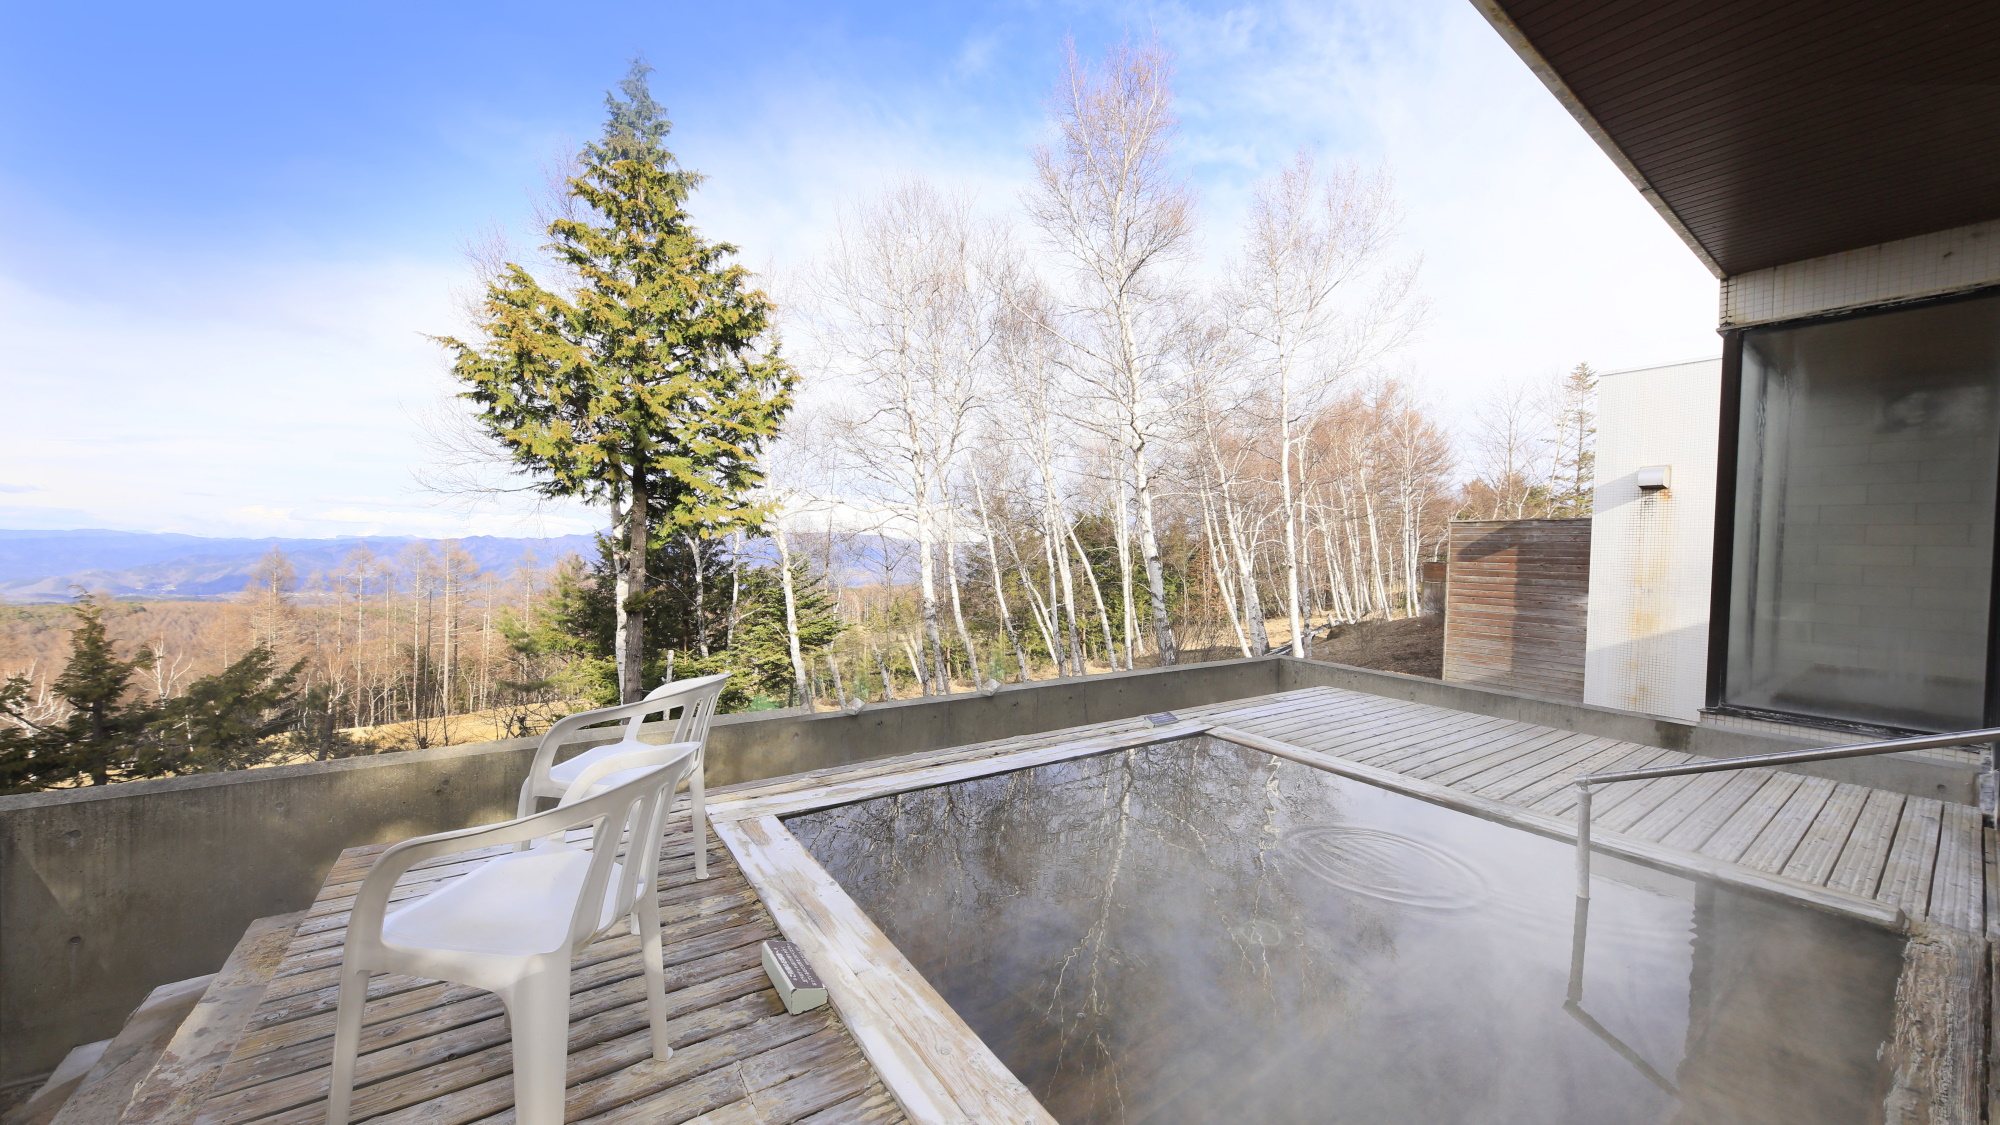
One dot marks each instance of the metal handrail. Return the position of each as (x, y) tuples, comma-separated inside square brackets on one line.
[(1717, 765)]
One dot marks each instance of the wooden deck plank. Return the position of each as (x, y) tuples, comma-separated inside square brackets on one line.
[(1703, 819), (1776, 842), (1321, 712), (1859, 868), (1524, 771), (1609, 797), (1370, 732), (722, 1086), (272, 1023), (1555, 793), (1380, 732), (1470, 730), (1449, 769), (1413, 757), (465, 1019), (1526, 785), (1308, 714), (1282, 708), (1535, 788), (676, 886), (1384, 735), (786, 1085), (1442, 737), (1674, 812), (1353, 725), (1513, 738), (715, 1038), (866, 1109), (1615, 812), (1906, 873), (1958, 880), (1741, 828), (1820, 847)]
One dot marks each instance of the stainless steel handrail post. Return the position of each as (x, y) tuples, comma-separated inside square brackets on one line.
[(1583, 838), (1717, 765)]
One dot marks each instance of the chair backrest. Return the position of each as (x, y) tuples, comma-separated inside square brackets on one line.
[(633, 812), (650, 798), (696, 698)]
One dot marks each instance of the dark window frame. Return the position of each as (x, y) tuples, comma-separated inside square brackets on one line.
[(1722, 570)]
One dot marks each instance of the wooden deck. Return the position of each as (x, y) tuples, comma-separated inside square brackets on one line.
[(1921, 855), (437, 1054)]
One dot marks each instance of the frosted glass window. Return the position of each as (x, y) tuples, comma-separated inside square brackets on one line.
[(1864, 517)]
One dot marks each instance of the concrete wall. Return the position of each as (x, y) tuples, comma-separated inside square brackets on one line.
[(108, 892), (1652, 553)]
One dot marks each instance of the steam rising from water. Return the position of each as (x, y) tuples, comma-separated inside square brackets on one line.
[(1196, 932)]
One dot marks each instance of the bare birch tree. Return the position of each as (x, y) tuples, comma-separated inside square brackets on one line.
[(1513, 453), (1107, 202), (1317, 308), (908, 318)]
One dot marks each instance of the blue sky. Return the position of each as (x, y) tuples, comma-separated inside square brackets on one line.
[(228, 228)]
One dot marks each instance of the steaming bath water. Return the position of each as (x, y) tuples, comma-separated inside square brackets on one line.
[(1197, 932)]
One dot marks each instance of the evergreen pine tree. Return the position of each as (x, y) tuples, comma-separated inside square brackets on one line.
[(225, 721), (649, 385), (762, 653), (95, 682)]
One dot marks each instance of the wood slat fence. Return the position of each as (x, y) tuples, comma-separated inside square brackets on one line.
[(1515, 598)]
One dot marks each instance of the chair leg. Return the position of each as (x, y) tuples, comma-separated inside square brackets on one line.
[(538, 1010), (700, 824), (647, 913), (346, 1044)]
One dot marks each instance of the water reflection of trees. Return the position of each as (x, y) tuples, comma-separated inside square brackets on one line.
[(1128, 913)]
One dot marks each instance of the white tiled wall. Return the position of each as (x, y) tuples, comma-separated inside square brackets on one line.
[(1927, 265), (1651, 553), (1807, 736)]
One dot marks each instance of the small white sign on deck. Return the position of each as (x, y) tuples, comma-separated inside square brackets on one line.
[(793, 976)]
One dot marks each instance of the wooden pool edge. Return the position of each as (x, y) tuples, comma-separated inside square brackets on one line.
[(939, 1071)]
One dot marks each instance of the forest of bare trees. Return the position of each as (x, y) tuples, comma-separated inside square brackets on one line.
[(1105, 456)]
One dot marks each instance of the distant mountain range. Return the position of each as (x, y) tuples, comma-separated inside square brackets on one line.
[(43, 566)]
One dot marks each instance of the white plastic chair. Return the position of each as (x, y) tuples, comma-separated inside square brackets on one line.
[(512, 924), (696, 698)]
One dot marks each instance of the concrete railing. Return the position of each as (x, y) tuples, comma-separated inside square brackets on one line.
[(107, 892)]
